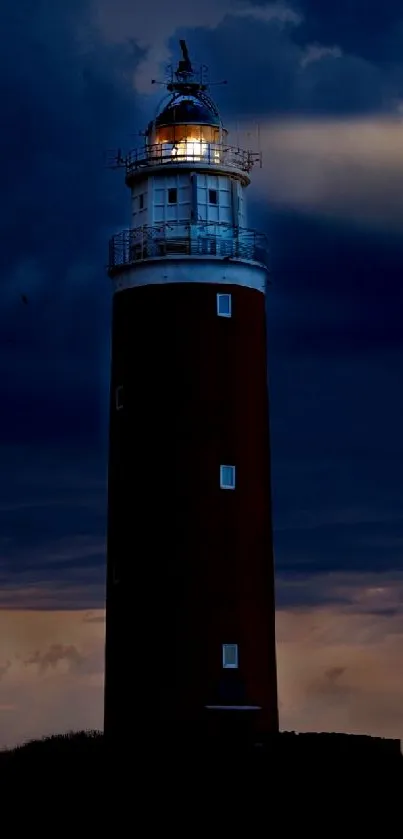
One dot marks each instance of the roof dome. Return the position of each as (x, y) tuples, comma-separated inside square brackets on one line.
[(187, 111)]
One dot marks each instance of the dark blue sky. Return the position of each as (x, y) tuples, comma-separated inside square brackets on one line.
[(73, 84)]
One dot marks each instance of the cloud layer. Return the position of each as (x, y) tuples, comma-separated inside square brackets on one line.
[(348, 169)]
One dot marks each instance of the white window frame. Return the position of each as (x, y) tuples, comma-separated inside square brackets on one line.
[(119, 398), (224, 314), (225, 664), (224, 485)]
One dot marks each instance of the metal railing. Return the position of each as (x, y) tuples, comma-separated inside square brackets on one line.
[(167, 154), (172, 239)]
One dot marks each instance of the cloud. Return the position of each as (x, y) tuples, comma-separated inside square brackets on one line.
[(317, 519), (339, 169), (54, 655), (4, 668), (293, 71), (340, 671), (93, 618), (367, 593), (374, 31), (334, 673), (54, 681), (152, 27), (316, 52), (52, 592), (280, 12)]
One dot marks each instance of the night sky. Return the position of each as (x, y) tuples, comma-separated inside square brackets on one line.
[(324, 81)]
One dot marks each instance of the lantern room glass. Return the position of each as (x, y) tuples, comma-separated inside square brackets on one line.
[(188, 142)]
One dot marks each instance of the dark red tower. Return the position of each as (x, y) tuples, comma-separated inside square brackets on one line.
[(190, 616)]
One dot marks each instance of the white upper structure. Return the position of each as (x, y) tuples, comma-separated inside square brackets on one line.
[(188, 209)]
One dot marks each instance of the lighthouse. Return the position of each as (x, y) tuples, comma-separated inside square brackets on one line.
[(190, 610)]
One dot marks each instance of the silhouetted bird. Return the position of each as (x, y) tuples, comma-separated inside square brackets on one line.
[(24, 298)]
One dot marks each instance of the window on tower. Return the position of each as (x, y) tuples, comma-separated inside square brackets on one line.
[(227, 477), (141, 201), (230, 656), (213, 196), (172, 195), (224, 305)]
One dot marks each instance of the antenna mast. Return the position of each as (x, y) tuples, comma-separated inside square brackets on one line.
[(185, 68)]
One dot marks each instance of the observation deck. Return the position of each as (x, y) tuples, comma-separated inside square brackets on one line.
[(180, 239)]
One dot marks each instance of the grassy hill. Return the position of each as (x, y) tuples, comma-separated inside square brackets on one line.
[(299, 777)]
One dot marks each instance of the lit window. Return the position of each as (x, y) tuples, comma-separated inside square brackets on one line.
[(224, 305), (227, 477), (119, 398), (212, 196), (172, 195), (230, 656), (189, 149)]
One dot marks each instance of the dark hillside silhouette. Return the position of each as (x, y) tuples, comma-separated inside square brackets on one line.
[(305, 779)]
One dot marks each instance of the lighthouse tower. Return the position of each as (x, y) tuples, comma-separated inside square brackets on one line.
[(190, 624)]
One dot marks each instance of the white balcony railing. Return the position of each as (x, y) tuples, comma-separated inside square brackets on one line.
[(189, 151), (185, 239)]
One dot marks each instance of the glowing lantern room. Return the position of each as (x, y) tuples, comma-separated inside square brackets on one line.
[(187, 129)]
